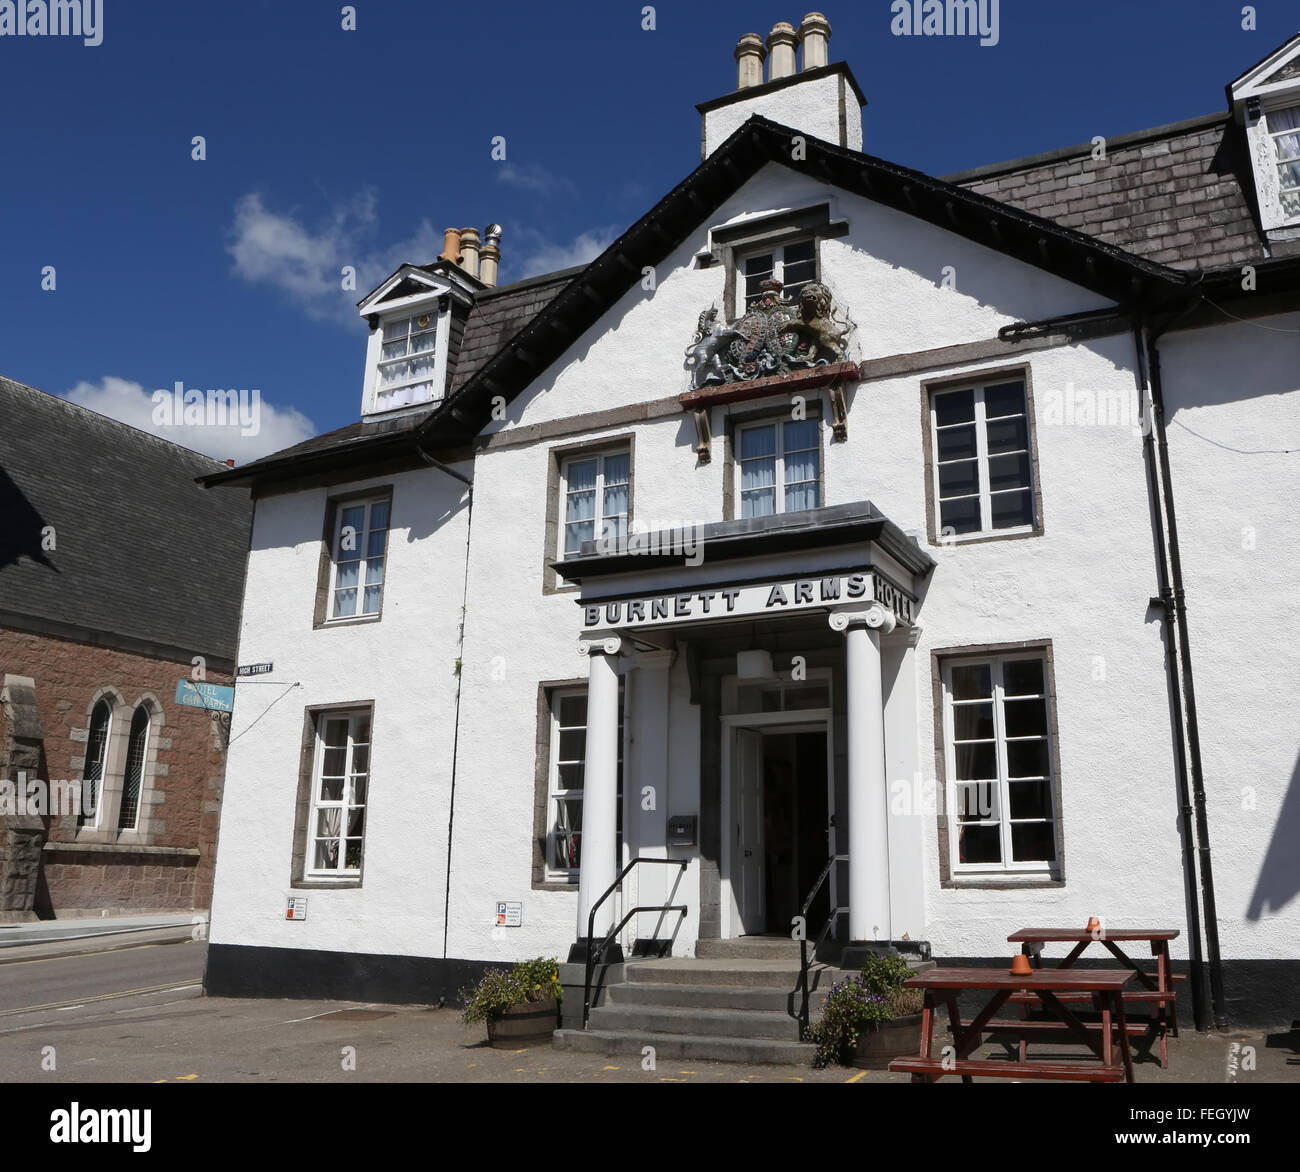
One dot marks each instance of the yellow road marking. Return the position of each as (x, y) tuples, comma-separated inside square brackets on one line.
[(610, 1068), (856, 1076), (186, 1077)]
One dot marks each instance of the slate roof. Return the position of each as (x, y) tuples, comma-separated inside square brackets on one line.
[(1175, 194), (140, 549)]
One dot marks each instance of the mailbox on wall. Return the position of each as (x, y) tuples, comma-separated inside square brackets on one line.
[(681, 830)]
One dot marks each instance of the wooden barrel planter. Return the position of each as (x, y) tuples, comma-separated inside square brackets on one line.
[(886, 1041), (527, 1024)]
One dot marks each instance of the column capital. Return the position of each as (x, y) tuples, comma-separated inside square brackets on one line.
[(609, 645), (866, 614)]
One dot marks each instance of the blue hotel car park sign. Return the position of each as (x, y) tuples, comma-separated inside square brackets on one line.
[(198, 695)]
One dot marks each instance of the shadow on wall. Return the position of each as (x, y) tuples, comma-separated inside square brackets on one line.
[(1279, 877), (20, 535)]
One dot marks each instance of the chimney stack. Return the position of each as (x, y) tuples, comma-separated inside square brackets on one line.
[(469, 250), (781, 44), (815, 34), (451, 246), (750, 55), (490, 255)]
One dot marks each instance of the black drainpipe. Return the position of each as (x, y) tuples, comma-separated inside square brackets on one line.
[(1189, 691), (460, 647), (1165, 603)]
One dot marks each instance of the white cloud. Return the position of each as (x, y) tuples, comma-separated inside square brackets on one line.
[(534, 178), (540, 254), (272, 428), (279, 250)]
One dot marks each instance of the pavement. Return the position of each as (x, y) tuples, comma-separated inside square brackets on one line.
[(135, 1013), (46, 939)]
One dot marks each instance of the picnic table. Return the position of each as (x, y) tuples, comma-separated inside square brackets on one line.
[(1051, 988), (1153, 989)]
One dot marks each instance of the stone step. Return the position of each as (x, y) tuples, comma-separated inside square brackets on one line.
[(777, 974), (770, 1000), (773, 1051), (749, 948), (708, 1023)]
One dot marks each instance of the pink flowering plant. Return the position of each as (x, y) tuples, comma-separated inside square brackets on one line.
[(499, 989)]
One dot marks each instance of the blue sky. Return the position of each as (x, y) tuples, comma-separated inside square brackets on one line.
[(328, 147)]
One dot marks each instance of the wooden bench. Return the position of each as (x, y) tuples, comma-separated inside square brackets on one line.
[(933, 1068)]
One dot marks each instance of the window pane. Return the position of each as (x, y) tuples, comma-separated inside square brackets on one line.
[(979, 844), (370, 600), (618, 468), (396, 329), (961, 516), (374, 571), (976, 761), (1009, 471), (954, 407), (354, 518), (1005, 399), (616, 501), (960, 479), (327, 855), (972, 722), (360, 758), (1032, 842), (1025, 718), (801, 250), (573, 744), (328, 822), (1030, 799), (802, 496), (760, 503), (1288, 119), (800, 434), (757, 441), (580, 506), (576, 534), (1023, 677), (757, 473), (581, 476), (347, 575), (1007, 435), (957, 443), (345, 604), (1012, 508), (573, 710), (353, 857), (801, 466), (975, 803), (1027, 759), (971, 681), (759, 266)]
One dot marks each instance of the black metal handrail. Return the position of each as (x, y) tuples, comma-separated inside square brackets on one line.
[(803, 940), (605, 943)]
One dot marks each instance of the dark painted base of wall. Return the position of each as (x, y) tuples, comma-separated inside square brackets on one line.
[(236, 970), (1258, 994)]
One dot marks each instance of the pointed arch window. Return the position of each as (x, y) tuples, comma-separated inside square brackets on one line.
[(137, 747), (92, 776)]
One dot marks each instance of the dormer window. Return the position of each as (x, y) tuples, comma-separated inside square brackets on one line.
[(406, 373), (1284, 132)]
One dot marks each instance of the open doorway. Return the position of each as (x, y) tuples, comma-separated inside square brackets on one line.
[(779, 826)]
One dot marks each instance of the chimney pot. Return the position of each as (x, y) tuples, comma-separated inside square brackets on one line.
[(750, 55), (469, 251), (490, 256), (450, 246), (781, 44), (815, 34)]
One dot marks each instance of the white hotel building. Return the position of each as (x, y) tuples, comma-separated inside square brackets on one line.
[(963, 550)]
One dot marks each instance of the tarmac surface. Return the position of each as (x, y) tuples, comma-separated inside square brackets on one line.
[(136, 1014)]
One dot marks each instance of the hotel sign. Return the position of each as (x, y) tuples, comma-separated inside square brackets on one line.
[(783, 596)]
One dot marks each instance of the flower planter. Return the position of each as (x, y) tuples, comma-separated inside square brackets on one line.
[(888, 1040), (527, 1024)]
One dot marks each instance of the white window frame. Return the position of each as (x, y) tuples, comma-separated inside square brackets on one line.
[(780, 482), (554, 792), (353, 716), (411, 317), (996, 664), (368, 503), (982, 457), (777, 249), (144, 768), (600, 455), (1275, 158)]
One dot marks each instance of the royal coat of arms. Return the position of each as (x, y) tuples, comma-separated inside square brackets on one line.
[(775, 336)]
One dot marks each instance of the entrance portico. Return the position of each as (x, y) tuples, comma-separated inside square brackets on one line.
[(832, 591)]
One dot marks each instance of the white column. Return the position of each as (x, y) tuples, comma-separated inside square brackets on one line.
[(868, 789), (599, 863)]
